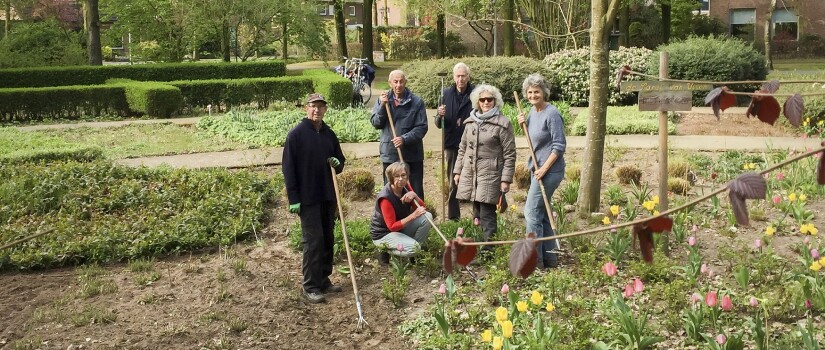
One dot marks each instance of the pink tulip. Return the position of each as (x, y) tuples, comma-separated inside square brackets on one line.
[(459, 232), (808, 303), (694, 228), (780, 176), (807, 240), (754, 302), (710, 273), (727, 304), (766, 176), (505, 289), (442, 289), (628, 291), (721, 339), (777, 199), (609, 269), (695, 298), (475, 221), (691, 241), (400, 247), (757, 243), (638, 286), (703, 269), (555, 215), (815, 253), (710, 299)]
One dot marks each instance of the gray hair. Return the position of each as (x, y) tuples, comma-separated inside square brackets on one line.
[(461, 65), (394, 168), (535, 80), (488, 89), (397, 72)]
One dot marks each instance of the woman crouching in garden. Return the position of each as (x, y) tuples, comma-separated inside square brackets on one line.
[(397, 224), (486, 157)]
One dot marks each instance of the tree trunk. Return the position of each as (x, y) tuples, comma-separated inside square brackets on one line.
[(441, 36), (666, 22), (768, 21), (92, 18), (225, 45), (508, 33), (624, 26), (340, 28), (367, 39), (284, 41), (7, 26), (602, 18)]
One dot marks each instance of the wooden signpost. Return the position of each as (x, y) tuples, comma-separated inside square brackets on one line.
[(663, 96)]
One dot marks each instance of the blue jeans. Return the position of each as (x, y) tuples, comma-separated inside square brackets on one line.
[(409, 239), (536, 215)]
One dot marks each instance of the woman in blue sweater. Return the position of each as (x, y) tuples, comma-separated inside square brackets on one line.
[(546, 129)]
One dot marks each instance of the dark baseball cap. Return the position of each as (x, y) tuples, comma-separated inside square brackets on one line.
[(315, 98)]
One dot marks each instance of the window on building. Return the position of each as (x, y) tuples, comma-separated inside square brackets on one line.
[(322, 11), (742, 23), (331, 11), (785, 24), (352, 11), (704, 5)]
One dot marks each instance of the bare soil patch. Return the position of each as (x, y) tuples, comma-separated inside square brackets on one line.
[(730, 124)]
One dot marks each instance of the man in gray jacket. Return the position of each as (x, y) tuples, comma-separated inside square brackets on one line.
[(410, 119)]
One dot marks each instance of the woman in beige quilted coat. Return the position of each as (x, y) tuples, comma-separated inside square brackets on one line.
[(486, 157)]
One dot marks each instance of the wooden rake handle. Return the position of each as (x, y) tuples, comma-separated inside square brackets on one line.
[(346, 241), (536, 165)]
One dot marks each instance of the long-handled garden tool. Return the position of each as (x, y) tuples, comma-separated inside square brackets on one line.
[(444, 176), (536, 166), (361, 320)]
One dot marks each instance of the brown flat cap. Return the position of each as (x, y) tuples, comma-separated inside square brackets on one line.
[(315, 98)]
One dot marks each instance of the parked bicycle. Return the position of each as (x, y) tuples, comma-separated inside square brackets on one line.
[(361, 75)]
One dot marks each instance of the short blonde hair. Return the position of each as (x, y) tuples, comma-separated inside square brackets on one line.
[(492, 90), (394, 168)]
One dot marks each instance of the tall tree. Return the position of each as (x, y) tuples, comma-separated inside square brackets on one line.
[(366, 39), (508, 34), (440, 36), (7, 25), (340, 28), (92, 19), (602, 17), (768, 21), (666, 10)]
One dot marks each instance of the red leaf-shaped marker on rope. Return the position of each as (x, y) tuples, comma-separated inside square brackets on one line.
[(660, 224), (740, 209), (820, 169), (645, 235), (726, 100), (793, 109), (447, 259), (624, 70), (770, 87), (749, 186), (464, 253), (524, 257), (712, 99), (768, 110)]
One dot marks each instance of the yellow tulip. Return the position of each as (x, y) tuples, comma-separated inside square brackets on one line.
[(497, 343), (820, 123), (792, 197), (812, 230), (822, 261), (521, 305), (606, 220), (507, 329), (656, 213), (501, 314), (649, 205), (816, 266), (770, 230), (655, 199), (550, 307), (803, 228), (614, 209), (536, 298), (487, 336), (802, 197)]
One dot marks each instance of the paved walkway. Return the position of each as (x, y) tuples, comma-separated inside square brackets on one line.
[(432, 142)]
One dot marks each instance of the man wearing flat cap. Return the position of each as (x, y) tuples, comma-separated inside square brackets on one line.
[(310, 150)]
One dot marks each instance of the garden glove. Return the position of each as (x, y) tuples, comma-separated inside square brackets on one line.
[(333, 162), (295, 208)]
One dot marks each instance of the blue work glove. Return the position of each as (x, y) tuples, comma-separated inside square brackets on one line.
[(295, 208), (333, 162)]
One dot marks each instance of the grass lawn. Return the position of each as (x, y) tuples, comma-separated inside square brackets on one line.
[(139, 140), (799, 64)]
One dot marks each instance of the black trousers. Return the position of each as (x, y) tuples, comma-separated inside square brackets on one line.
[(317, 226), (453, 209), (416, 177), (488, 219)]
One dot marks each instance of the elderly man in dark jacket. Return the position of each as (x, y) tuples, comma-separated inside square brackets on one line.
[(453, 112), (310, 149), (410, 119)]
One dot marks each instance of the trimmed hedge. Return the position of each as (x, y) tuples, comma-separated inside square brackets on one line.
[(228, 93), (571, 73), (18, 147), (153, 99), (624, 121), (337, 89), (34, 104), (505, 73), (93, 75)]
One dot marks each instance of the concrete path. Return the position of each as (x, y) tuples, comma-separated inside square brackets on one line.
[(432, 142)]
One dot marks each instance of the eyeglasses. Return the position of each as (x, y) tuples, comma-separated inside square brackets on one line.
[(486, 99)]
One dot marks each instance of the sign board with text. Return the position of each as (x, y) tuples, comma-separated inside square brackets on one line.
[(664, 95)]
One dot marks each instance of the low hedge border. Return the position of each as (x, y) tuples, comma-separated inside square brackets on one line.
[(337, 89), (228, 93), (93, 75), (153, 99), (67, 102)]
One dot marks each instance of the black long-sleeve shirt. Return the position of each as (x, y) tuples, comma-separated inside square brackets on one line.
[(305, 168)]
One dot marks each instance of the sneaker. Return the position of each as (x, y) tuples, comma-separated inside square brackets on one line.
[(314, 297), (333, 289), (384, 258)]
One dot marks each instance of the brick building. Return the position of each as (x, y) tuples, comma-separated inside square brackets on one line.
[(790, 21)]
